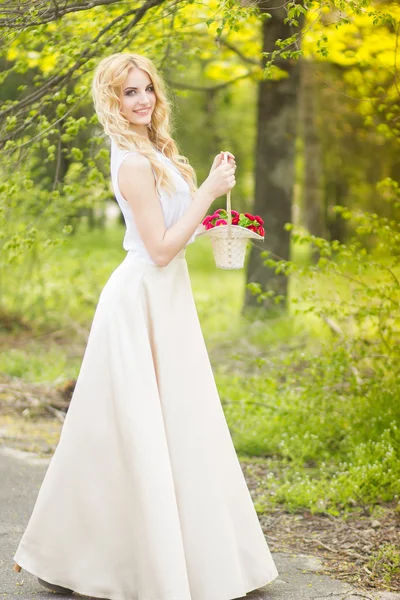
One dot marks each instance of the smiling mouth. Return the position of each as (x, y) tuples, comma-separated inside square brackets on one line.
[(142, 112)]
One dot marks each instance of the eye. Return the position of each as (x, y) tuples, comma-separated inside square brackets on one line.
[(129, 92)]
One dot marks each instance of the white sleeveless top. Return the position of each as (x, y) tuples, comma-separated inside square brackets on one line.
[(174, 207)]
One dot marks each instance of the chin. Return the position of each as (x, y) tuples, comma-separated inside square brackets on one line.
[(139, 122)]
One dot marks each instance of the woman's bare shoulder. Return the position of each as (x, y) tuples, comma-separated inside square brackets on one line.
[(136, 176), (135, 160)]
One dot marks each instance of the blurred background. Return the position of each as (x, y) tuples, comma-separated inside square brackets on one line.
[(304, 341)]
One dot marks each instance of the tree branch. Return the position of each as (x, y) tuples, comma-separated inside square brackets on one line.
[(21, 16), (243, 57), (198, 88)]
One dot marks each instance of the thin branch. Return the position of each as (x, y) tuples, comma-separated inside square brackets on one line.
[(47, 14), (171, 32), (58, 163), (211, 88), (243, 57), (393, 275), (362, 283)]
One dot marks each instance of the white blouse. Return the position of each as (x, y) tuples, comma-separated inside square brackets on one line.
[(173, 207)]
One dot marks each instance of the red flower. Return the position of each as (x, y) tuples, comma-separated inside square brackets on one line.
[(249, 216), (209, 225), (234, 213), (261, 230), (221, 222), (259, 220), (207, 219), (252, 228), (235, 220)]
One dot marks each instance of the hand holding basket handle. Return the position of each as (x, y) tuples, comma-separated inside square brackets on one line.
[(228, 240), (221, 178)]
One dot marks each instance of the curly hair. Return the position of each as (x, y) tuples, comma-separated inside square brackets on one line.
[(107, 83)]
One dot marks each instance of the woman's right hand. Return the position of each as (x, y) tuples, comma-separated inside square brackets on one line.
[(220, 181)]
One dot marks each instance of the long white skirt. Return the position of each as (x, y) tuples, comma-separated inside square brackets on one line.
[(144, 498)]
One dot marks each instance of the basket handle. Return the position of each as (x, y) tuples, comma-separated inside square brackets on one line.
[(228, 204)]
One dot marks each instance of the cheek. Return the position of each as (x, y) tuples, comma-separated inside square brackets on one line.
[(126, 103)]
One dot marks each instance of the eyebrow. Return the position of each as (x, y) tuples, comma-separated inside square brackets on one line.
[(134, 88)]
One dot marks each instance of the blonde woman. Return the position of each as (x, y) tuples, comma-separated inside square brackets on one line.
[(144, 498)]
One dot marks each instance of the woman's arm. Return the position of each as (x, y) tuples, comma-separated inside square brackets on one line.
[(137, 185)]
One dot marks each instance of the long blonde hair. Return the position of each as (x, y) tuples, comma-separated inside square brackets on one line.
[(107, 83)]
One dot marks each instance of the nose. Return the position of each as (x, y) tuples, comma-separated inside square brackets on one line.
[(143, 100)]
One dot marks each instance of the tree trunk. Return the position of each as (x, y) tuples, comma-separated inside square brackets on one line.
[(337, 191), (275, 150), (211, 104), (312, 210)]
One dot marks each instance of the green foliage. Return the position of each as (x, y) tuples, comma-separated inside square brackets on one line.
[(386, 562), (361, 283), (59, 288), (329, 421), (37, 364), (332, 442)]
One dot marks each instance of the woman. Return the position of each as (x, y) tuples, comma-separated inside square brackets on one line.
[(144, 497)]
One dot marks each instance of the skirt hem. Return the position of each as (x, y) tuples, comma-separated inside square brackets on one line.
[(241, 594)]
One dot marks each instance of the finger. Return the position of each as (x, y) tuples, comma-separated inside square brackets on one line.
[(227, 157)]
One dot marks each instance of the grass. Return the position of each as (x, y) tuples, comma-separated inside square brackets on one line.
[(330, 439)]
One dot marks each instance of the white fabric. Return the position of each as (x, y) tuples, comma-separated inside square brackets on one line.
[(144, 498), (173, 207)]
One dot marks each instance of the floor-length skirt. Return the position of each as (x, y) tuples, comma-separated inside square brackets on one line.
[(144, 497)]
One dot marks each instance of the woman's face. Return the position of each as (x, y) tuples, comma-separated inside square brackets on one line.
[(138, 98)]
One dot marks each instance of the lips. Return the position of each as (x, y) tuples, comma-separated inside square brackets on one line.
[(142, 112)]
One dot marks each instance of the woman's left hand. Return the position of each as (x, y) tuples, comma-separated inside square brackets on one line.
[(218, 160)]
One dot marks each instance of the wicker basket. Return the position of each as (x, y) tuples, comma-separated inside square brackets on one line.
[(229, 241)]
